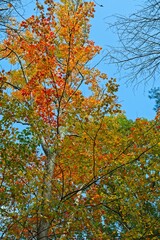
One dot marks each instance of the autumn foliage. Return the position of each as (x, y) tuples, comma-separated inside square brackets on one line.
[(72, 165)]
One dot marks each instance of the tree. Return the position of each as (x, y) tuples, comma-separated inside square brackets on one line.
[(72, 166), (139, 37), (154, 93), (8, 10)]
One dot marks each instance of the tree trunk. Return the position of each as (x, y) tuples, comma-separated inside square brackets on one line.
[(43, 230), (44, 225)]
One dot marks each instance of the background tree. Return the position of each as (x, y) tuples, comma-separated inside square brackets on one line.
[(72, 166), (9, 9), (154, 93), (139, 37)]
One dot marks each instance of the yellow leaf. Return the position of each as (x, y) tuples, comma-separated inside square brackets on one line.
[(10, 5)]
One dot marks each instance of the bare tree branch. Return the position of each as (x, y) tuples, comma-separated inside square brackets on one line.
[(139, 37)]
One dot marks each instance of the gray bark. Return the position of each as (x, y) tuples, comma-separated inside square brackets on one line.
[(44, 225)]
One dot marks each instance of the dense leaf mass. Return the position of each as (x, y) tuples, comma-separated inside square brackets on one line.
[(72, 165)]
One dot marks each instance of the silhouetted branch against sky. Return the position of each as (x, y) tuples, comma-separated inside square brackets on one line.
[(139, 38)]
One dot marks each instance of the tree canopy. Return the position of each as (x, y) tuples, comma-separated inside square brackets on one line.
[(72, 166)]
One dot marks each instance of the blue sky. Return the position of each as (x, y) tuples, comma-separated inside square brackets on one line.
[(135, 102)]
